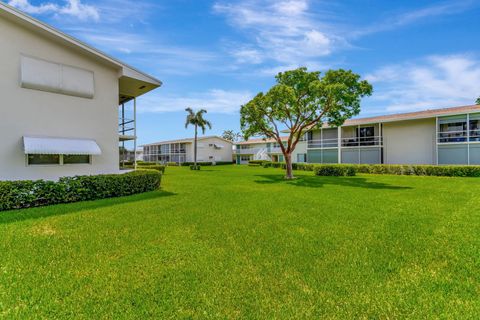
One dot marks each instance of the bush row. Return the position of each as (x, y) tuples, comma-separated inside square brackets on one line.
[(406, 169), (283, 165), (418, 170), (27, 193), (152, 166), (336, 170), (257, 162), (206, 164)]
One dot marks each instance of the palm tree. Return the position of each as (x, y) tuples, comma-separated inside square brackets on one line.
[(196, 119)]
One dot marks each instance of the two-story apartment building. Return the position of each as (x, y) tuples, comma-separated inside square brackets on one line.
[(61, 101), (440, 136), (209, 149), (267, 149)]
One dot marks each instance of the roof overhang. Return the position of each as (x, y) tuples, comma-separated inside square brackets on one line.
[(132, 82), (69, 146)]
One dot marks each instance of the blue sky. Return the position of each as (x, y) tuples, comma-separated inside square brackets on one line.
[(218, 54)]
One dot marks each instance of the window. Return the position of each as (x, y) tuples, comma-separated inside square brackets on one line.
[(245, 158), (366, 136), (452, 129), (57, 159), (365, 132), (302, 157), (475, 127), (43, 159), (76, 159)]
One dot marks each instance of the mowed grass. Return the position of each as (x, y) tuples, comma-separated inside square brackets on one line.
[(236, 242)]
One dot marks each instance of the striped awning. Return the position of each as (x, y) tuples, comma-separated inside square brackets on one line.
[(69, 146)]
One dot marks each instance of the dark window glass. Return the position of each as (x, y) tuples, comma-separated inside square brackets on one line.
[(475, 130), (75, 159), (38, 159), (366, 132)]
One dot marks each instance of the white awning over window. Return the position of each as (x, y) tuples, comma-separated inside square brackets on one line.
[(69, 146)]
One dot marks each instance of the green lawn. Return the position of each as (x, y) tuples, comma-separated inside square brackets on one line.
[(232, 242)]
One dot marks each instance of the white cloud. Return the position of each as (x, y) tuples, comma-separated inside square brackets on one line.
[(214, 101), (433, 82), (414, 16), (248, 55), (286, 32), (27, 7), (74, 8)]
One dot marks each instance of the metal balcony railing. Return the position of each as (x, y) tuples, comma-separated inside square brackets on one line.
[(248, 151), (126, 126), (362, 141), (459, 136), (324, 143)]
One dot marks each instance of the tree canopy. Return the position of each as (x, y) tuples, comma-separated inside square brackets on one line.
[(196, 119), (231, 135), (301, 100)]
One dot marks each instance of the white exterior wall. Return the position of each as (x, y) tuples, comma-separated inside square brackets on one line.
[(33, 112), (409, 142), (301, 147), (204, 151)]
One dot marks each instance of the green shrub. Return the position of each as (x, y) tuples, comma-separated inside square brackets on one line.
[(26, 194), (172, 164), (418, 170), (421, 170), (146, 164), (205, 164), (157, 167), (335, 170), (195, 167), (304, 166), (257, 162)]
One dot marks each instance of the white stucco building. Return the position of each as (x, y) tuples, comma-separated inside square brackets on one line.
[(268, 149), (209, 149), (61, 102)]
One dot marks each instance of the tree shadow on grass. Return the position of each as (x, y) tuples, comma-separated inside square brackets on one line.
[(68, 208), (319, 182)]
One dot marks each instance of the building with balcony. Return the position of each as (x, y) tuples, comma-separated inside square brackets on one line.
[(267, 149), (209, 149), (61, 102), (440, 136)]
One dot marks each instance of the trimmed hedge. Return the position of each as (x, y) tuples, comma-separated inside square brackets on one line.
[(421, 170), (401, 169), (257, 162), (27, 193), (418, 170), (336, 170), (206, 164), (157, 167), (283, 165), (146, 164), (269, 164), (152, 166)]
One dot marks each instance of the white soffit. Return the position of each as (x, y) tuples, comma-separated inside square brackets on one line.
[(69, 146)]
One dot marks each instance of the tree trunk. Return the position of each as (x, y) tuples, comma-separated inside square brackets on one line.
[(288, 161), (195, 148)]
